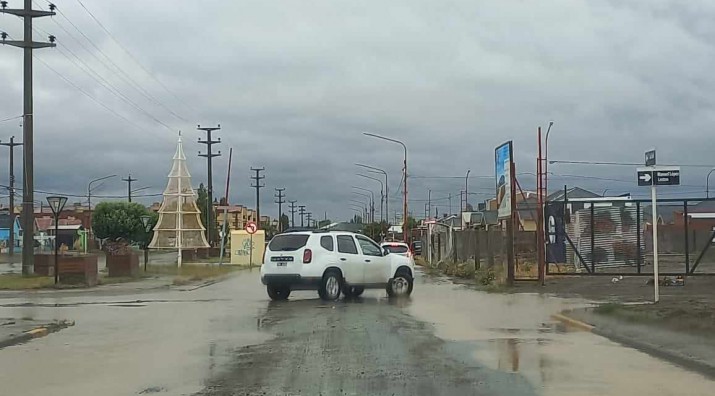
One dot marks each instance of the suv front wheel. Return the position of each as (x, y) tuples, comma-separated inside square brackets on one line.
[(330, 286), (400, 285), (278, 292)]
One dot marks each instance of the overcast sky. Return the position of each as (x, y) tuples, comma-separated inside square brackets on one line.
[(295, 83)]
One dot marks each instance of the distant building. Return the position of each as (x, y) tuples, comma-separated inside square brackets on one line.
[(5, 222)]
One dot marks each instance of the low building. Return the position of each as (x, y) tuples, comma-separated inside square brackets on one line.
[(5, 222)]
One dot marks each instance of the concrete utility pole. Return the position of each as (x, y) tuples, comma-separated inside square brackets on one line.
[(309, 217), (292, 213), (11, 189), (28, 190), (280, 201), (301, 212), (129, 181), (209, 155), (258, 186)]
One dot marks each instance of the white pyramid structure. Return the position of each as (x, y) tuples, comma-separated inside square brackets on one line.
[(179, 225)]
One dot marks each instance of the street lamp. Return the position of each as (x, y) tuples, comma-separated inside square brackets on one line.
[(404, 186), (147, 227), (546, 160), (707, 183), (373, 169), (89, 199), (57, 203), (370, 202), (466, 190), (382, 192)]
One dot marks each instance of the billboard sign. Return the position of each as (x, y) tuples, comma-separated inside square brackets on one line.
[(503, 161)]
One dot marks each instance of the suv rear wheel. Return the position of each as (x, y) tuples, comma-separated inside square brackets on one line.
[(278, 292), (330, 286), (400, 285)]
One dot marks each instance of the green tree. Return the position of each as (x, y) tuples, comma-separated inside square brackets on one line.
[(285, 222), (119, 222), (202, 203)]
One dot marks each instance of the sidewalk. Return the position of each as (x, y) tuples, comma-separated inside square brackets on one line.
[(691, 350), (18, 331)]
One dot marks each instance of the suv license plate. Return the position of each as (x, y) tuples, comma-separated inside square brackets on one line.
[(281, 264)]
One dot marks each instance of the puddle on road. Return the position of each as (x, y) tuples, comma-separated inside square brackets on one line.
[(514, 333)]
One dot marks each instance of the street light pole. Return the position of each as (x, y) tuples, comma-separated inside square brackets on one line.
[(387, 187), (466, 189), (382, 193), (405, 226), (707, 183), (546, 159), (371, 202), (89, 203)]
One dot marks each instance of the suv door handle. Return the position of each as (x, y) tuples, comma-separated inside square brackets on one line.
[(343, 259), (367, 261)]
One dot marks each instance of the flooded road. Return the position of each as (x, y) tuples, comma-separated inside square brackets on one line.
[(229, 339)]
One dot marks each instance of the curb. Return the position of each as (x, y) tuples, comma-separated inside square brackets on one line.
[(37, 332), (568, 321), (682, 360)]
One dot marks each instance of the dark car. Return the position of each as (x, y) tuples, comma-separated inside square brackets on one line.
[(417, 248)]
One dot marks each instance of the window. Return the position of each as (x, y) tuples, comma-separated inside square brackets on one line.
[(346, 244), (369, 248), (326, 242), (397, 249), (287, 242)]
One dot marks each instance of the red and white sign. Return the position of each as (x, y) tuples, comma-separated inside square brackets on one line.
[(251, 227)]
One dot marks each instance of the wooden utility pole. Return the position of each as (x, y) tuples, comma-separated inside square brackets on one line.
[(11, 192), (210, 185), (28, 190)]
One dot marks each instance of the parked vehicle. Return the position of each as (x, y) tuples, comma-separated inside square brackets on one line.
[(417, 248), (401, 250), (332, 263)]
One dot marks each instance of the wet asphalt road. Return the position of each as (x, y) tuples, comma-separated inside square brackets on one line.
[(229, 339)]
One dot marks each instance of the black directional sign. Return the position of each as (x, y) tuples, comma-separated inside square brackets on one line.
[(650, 158), (659, 176)]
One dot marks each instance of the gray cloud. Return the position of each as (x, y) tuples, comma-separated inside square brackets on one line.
[(294, 84)]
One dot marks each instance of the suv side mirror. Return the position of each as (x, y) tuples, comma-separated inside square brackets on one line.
[(385, 251)]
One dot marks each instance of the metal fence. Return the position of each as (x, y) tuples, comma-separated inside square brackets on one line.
[(613, 237)]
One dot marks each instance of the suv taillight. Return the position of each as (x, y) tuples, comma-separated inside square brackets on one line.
[(307, 256)]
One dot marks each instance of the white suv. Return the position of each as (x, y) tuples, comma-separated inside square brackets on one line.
[(332, 262)]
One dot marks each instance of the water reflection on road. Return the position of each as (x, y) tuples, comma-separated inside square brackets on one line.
[(515, 333)]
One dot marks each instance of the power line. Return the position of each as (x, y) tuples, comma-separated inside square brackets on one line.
[(75, 86), (118, 70), (11, 118), (627, 164), (150, 74), (85, 195)]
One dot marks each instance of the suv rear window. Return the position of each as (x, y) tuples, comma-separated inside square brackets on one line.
[(398, 249), (288, 242), (326, 241)]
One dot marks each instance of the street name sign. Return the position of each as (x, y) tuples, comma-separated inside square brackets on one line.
[(659, 176)]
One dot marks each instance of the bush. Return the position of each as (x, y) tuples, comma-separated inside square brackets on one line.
[(120, 222)]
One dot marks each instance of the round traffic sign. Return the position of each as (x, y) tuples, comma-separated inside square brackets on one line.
[(251, 227)]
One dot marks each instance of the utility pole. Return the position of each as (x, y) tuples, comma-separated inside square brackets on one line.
[(11, 188), (280, 203), (292, 213), (129, 181), (301, 212), (309, 216), (258, 186), (429, 203), (209, 155), (28, 190), (450, 204)]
